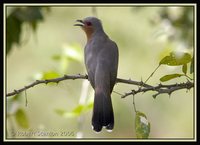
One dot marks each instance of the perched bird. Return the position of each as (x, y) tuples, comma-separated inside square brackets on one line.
[(101, 60)]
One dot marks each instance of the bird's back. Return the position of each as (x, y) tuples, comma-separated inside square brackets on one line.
[(104, 51)]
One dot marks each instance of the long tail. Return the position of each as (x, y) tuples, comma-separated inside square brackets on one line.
[(102, 112)]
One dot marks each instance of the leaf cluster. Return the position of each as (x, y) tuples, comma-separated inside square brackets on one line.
[(177, 59), (30, 15)]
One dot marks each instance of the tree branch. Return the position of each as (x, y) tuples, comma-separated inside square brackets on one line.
[(56, 80), (129, 81), (145, 87), (161, 89)]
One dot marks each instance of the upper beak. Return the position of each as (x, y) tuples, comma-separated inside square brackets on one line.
[(81, 21)]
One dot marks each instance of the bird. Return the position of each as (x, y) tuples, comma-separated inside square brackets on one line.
[(101, 61)]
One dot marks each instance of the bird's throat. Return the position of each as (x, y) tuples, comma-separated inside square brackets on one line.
[(89, 32)]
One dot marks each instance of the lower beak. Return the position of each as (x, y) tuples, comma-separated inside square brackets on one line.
[(80, 21)]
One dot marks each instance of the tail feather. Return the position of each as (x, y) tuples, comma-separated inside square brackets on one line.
[(102, 112)]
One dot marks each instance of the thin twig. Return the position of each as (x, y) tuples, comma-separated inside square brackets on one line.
[(134, 105), (188, 77), (26, 103), (152, 73), (117, 93)]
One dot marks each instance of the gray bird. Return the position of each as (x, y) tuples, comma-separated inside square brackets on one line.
[(101, 60)]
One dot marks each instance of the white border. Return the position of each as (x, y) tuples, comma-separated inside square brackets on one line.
[(93, 139)]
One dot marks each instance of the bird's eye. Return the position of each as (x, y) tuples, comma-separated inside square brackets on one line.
[(88, 23)]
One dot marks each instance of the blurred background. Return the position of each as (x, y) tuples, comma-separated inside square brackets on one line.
[(42, 43)]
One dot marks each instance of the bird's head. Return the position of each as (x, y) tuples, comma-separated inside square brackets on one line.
[(90, 25)]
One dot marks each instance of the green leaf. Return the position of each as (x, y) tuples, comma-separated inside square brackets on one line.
[(176, 58), (142, 125), (192, 66), (50, 75), (16, 97), (21, 118), (14, 21), (56, 57), (184, 68), (169, 77), (78, 109), (13, 32), (89, 106)]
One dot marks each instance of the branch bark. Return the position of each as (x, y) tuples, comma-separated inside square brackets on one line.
[(56, 80), (160, 89)]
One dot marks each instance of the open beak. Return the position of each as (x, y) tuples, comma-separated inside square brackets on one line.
[(81, 23)]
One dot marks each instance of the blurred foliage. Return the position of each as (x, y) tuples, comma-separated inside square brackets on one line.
[(16, 111), (17, 17), (192, 66), (49, 75), (21, 118), (182, 21), (76, 112), (184, 68), (69, 53)]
